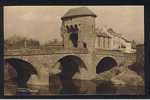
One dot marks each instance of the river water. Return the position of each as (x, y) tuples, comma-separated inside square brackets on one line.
[(71, 87)]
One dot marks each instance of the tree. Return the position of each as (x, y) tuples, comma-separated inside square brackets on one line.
[(18, 42)]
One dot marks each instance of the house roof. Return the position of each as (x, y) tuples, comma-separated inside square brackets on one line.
[(111, 31), (126, 40), (81, 11), (103, 34)]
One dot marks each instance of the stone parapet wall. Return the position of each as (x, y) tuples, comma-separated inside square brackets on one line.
[(44, 51)]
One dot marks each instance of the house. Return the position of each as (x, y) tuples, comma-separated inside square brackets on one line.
[(108, 39)]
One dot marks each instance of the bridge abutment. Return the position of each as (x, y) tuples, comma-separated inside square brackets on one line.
[(41, 79)]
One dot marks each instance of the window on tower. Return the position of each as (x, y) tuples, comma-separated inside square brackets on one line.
[(67, 27), (73, 30)]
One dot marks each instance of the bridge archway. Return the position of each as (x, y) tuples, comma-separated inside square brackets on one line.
[(105, 64), (23, 70), (69, 65)]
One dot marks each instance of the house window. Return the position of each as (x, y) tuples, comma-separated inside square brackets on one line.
[(108, 42), (103, 42)]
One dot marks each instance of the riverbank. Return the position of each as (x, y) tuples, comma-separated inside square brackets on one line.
[(121, 75)]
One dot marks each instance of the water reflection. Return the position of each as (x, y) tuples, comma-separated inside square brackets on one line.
[(69, 87), (23, 92), (64, 86), (105, 87)]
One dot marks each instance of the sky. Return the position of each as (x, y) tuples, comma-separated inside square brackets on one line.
[(43, 22)]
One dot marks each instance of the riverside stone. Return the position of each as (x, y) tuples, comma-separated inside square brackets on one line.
[(121, 76)]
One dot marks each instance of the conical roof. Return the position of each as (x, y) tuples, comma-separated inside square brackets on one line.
[(81, 11)]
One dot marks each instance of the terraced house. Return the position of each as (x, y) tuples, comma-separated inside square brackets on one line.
[(107, 38)]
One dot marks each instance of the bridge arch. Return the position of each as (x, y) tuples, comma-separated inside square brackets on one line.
[(22, 68), (106, 63), (69, 65)]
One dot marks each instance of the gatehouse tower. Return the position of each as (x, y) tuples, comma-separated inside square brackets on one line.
[(78, 28)]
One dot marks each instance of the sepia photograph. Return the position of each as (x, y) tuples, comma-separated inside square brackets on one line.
[(73, 50)]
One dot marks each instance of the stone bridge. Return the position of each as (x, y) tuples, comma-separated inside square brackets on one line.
[(77, 59), (47, 62)]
